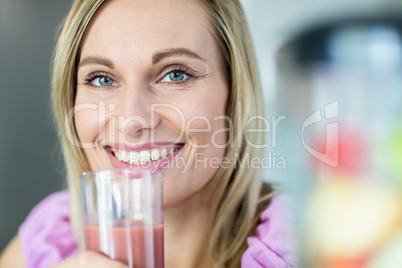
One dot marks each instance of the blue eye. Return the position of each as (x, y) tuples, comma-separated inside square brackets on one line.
[(175, 76), (103, 81)]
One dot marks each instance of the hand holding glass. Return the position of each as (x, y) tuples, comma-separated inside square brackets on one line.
[(123, 215)]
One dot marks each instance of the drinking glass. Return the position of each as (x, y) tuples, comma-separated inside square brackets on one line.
[(123, 215)]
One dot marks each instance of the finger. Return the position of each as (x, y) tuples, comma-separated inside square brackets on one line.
[(90, 259)]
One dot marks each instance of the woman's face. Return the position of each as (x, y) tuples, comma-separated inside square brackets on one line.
[(152, 93)]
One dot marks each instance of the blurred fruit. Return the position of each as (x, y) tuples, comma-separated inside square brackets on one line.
[(348, 219)]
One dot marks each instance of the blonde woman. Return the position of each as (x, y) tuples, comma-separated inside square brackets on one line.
[(179, 77)]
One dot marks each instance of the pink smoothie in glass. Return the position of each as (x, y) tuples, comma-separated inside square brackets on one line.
[(123, 242)]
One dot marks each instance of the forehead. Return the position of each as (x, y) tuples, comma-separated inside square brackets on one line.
[(136, 28)]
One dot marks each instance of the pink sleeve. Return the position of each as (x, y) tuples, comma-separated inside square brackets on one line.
[(273, 245), (46, 235)]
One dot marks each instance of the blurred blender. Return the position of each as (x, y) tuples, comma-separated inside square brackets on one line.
[(340, 88)]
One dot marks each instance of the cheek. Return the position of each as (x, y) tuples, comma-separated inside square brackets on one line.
[(206, 122), (209, 133), (87, 120), (87, 125)]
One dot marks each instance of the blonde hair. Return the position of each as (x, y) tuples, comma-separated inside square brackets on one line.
[(236, 190)]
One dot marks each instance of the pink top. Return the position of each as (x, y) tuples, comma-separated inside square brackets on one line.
[(47, 238)]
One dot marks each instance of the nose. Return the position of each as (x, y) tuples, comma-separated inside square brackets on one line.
[(134, 110)]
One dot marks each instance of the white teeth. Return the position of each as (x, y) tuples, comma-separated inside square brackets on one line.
[(124, 156), (145, 157), (155, 154), (134, 158), (163, 153)]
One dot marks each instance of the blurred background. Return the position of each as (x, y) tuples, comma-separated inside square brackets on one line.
[(30, 166), (30, 163)]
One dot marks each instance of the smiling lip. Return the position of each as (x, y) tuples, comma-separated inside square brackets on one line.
[(148, 156)]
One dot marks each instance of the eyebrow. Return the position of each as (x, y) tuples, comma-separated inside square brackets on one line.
[(155, 58), (174, 52), (96, 60)]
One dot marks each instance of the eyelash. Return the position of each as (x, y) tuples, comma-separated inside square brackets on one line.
[(92, 76), (190, 75)]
